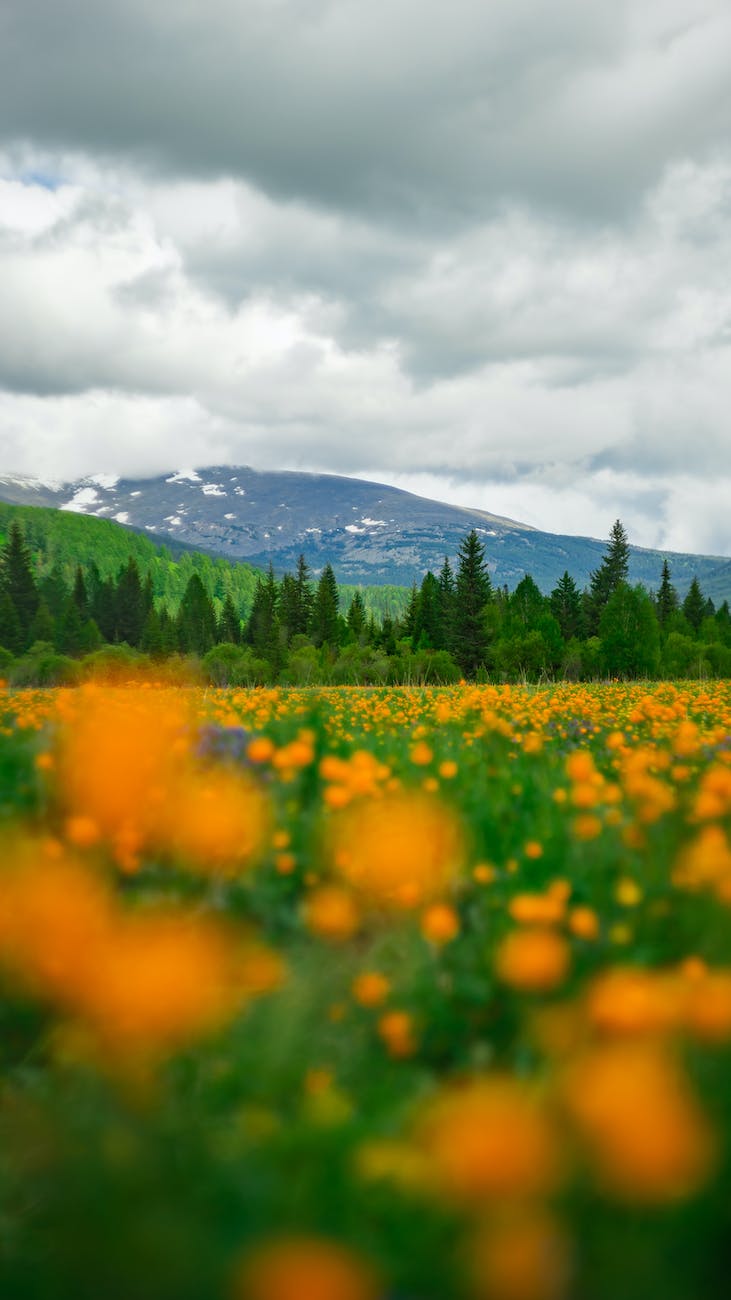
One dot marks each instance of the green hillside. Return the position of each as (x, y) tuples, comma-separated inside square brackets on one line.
[(63, 540)]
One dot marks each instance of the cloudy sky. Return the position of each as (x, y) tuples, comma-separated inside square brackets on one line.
[(479, 250)]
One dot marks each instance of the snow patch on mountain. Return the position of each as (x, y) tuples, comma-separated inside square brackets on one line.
[(83, 497)]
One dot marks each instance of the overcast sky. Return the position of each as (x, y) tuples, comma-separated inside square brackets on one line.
[(479, 250)]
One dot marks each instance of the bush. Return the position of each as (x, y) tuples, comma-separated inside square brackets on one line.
[(44, 666)]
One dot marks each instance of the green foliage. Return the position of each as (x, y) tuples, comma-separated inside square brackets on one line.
[(629, 634), (472, 593)]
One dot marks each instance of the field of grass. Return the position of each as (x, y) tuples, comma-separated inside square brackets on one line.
[(363, 994)]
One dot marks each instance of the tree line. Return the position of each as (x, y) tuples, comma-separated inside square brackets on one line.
[(456, 624)]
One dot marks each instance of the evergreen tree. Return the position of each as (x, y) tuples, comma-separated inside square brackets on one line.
[(288, 607), (565, 602), (428, 630), (196, 618), (411, 616), (151, 641), (130, 605), (70, 629), (694, 605), (16, 578), (527, 604), (305, 599), (629, 633), (325, 627), (79, 594), (613, 569), (263, 631), (11, 633), (44, 626), (229, 624), (667, 597), (447, 596), (53, 590), (356, 619), (472, 593)]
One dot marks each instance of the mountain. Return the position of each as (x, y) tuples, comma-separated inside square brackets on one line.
[(369, 532), (62, 540)]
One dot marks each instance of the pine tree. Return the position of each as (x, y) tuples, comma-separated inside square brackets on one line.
[(428, 629), (565, 602), (229, 624), (196, 618), (613, 569), (80, 594), (472, 593), (305, 599), (263, 630), (70, 629), (411, 615), (447, 595), (667, 596), (151, 641), (16, 578), (288, 607), (130, 605), (527, 604), (44, 626), (356, 619), (11, 633), (694, 605), (325, 627)]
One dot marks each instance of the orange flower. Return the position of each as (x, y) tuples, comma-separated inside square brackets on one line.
[(489, 1140), (396, 1029), (331, 913), (304, 1268), (371, 988), (645, 1134), (440, 924), (523, 1256), (532, 960), (399, 851)]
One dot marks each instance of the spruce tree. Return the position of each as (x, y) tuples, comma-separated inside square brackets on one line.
[(263, 631), (16, 578), (411, 616), (304, 599), (196, 618), (288, 607), (11, 633), (472, 593), (446, 606), (229, 624), (80, 595), (428, 629), (667, 596), (613, 569), (565, 602), (130, 605), (527, 604), (694, 605), (356, 619), (325, 628)]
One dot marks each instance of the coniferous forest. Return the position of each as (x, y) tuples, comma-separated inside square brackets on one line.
[(59, 623)]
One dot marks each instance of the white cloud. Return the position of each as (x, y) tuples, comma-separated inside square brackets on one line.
[(490, 261)]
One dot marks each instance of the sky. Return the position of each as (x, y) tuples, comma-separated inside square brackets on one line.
[(477, 250)]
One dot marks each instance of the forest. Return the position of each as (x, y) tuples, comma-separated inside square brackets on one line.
[(58, 623)]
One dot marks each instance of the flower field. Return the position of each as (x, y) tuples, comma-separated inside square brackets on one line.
[(365, 994)]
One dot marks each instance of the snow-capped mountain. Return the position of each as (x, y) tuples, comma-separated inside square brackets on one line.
[(369, 532)]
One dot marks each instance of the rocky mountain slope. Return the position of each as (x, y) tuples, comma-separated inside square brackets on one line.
[(369, 532)]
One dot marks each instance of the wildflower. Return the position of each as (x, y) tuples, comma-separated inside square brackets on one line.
[(304, 1268), (533, 960), (490, 1139)]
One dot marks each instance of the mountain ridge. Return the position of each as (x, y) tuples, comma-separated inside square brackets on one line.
[(371, 533)]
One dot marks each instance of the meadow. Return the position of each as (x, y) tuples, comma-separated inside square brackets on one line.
[(365, 993)]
